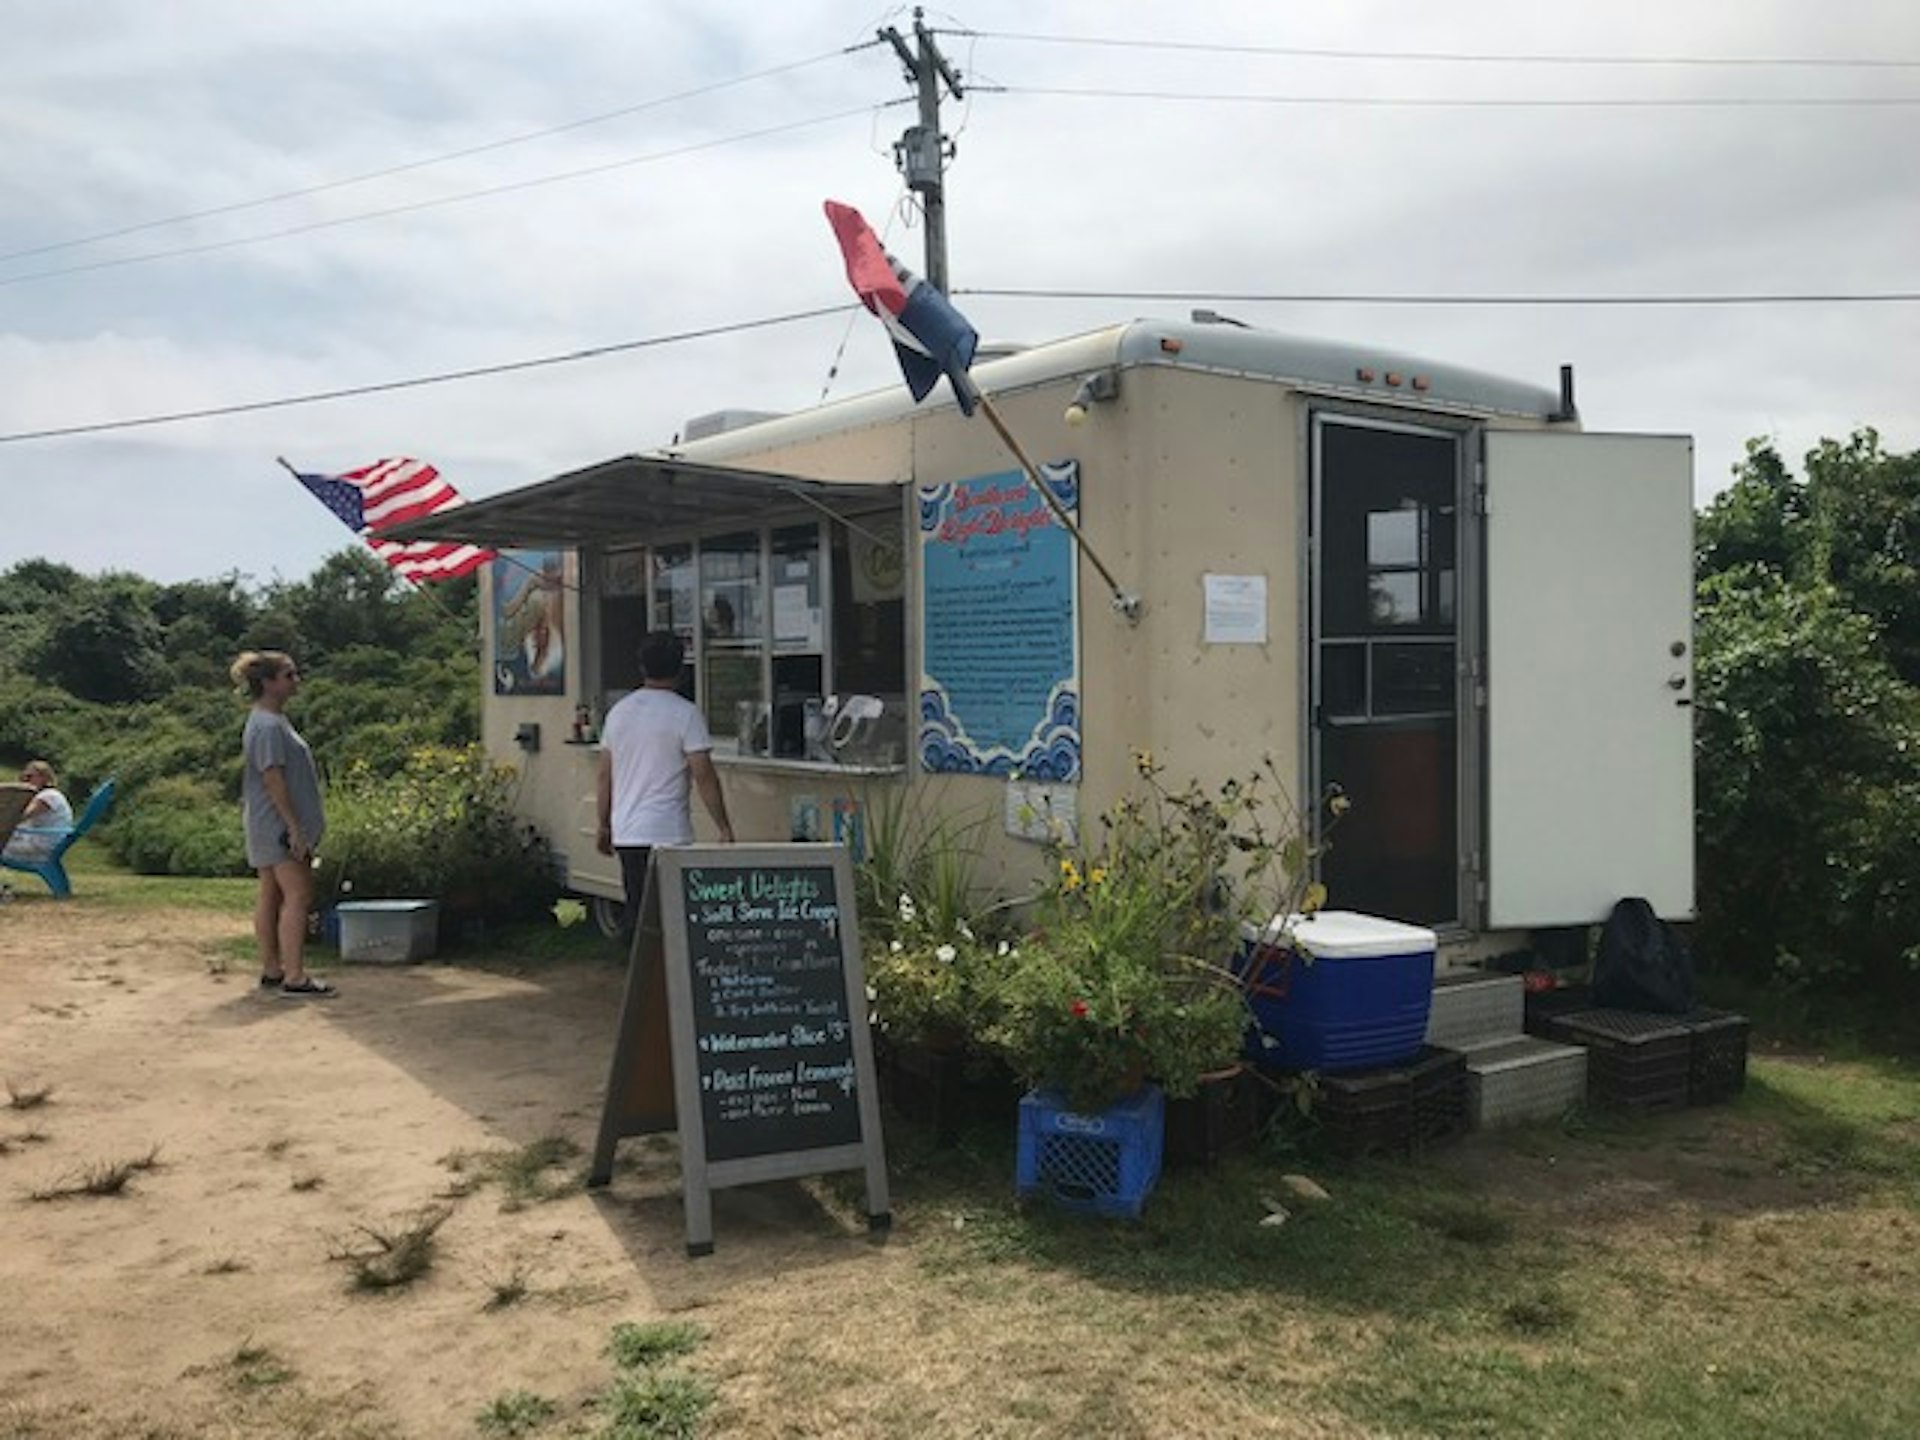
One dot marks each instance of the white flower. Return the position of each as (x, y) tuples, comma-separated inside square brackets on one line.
[(1004, 949), (966, 932), (907, 912), (946, 954), (896, 946), (872, 994)]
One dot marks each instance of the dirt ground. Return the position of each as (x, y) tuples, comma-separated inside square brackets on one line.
[(280, 1126), (202, 1299)]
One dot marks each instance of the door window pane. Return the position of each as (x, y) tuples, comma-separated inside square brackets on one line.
[(1412, 679), (732, 612), (799, 618), (675, 604), (870, 607)]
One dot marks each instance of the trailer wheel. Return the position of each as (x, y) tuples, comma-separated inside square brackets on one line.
[(608, 916)]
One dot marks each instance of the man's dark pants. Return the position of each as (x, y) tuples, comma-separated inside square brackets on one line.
[(633, 875)]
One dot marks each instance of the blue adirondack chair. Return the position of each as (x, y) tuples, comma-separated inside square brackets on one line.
[(50, 867)]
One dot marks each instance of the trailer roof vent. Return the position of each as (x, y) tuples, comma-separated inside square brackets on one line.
[(718, 422)]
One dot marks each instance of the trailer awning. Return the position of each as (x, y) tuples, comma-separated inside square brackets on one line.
[(637, 498)]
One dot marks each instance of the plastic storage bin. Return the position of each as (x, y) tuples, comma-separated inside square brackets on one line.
[(388, 931), (1351, 992), (1105, 1163)]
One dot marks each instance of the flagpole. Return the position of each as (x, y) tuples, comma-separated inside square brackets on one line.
[(1124, 602)]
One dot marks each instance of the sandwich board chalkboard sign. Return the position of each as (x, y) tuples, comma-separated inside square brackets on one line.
[(753, 954)]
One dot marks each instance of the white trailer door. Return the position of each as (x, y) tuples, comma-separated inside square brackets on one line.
[(1589, 666)]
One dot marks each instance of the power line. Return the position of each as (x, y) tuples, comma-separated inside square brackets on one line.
[(411, 165), (1884, 297), (417, 205), (1448, 56), (1384, 102), (443, 377), (1870, 297)]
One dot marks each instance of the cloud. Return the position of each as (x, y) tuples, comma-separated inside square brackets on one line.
[(150, 113)]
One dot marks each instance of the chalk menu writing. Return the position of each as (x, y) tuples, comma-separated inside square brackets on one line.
[(773, 1037)]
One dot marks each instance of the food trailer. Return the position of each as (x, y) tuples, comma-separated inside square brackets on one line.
[(1418, 582)]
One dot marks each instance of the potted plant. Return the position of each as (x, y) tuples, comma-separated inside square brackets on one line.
[(932, 958), (1128, 974)]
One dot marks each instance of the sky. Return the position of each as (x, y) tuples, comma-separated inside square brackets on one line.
[(1298, 174)]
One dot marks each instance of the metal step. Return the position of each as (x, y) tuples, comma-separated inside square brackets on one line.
[(1512, 1081), (1475, 1008)]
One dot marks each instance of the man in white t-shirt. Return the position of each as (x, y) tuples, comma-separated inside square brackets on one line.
[(654, 751)]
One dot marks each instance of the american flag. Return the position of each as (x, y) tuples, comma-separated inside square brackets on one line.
[(389, 492)]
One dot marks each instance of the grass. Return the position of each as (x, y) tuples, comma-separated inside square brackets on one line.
[(518, 1412), (103, 1178), (98, 880), (525, 1176), (636, 1344), (655, 1405), (652, 1399), (394, 1255), (255, 1367), (507, 1290), (1581, 1277)]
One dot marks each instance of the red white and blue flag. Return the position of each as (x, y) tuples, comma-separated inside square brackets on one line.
[(930, 336), (391, 492)]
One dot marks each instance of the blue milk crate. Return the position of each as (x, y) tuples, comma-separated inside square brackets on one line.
[(1105, 1163)]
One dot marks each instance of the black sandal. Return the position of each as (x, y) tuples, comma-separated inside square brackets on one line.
[(308, 986)]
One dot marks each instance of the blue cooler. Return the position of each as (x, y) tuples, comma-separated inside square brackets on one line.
[(1343, 992)]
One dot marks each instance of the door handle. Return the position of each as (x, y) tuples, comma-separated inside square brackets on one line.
[(1676, 682)]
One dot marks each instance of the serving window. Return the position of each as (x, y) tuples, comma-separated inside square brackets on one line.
[(777, 619)]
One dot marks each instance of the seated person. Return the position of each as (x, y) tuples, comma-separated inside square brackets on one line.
[(47, 818)]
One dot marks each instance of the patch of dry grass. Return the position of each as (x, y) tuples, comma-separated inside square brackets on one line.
[(393, 1255), (27, 1094), (526, 1176), (106, 1177)]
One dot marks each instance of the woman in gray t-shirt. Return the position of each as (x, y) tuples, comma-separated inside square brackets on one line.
[(280, 804)]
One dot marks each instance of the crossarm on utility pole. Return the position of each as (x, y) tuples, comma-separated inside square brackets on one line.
[(1126, 603)]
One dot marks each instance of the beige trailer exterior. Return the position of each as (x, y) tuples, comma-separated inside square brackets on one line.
[(1509, 697)]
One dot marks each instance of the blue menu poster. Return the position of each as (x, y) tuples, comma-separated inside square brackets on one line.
[(1000, 667)]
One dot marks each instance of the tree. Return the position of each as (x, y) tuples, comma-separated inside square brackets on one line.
[(103, 643), (1808, 728), (205, 623), (351, 599), (1853, 522)]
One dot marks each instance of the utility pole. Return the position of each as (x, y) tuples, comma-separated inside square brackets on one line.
[(922, 151)]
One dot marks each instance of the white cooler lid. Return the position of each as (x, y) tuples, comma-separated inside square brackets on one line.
[(1349, 935)]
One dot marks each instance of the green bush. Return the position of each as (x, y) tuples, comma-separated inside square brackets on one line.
[(178, 826), (443, 827), (1807, 736)]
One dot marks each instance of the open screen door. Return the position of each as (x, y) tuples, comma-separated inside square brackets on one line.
[(1589, 725)]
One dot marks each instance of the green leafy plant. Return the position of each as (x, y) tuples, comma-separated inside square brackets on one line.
[(517, 1412), (1128, 972), (1807, 720), (637, 1343), (932, 950), (444, 827)]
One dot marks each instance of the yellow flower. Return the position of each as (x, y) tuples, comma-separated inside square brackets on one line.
[(1143, 761), (1069, 875), (1096, 875)]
